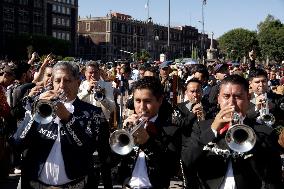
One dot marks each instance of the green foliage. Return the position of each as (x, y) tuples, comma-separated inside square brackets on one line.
[(271, 39), (236, 43), (143, 55), (68, 58)]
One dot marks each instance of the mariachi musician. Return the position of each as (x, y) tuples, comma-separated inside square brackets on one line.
[(192, 110), (151, 163), (171, 84)]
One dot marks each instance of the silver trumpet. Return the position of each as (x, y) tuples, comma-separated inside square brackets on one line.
[(121, 141), (99, 92), (44, 110), (267, 118), (240, 137)]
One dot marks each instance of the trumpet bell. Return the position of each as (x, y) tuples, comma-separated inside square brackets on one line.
[(240, 138), (121, 142), (268, 119), (43, 111)]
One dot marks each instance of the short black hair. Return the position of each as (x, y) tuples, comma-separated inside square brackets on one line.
[(151, 83), (237, 80), (201, 69), (193, 80), (257, 73)]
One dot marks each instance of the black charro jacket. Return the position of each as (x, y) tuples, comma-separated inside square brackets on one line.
[(206, 169), (86, 131), (162, 155)]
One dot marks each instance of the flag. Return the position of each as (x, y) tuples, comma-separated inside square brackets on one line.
[(147, 4)]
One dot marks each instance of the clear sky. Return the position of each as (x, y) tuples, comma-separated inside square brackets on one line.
[(220, 16)]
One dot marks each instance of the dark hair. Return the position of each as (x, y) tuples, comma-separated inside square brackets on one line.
[(237, 80), (153, 69), (20, 68), (193, 80), (257, 73), (151, 83), (201, 69)]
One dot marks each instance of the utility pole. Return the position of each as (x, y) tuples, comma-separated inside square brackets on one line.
[(203, 32)]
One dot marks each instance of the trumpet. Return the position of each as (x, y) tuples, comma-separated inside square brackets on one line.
[(99, 92), (44, 110), (240, 137), (200, 113), (266, 117), (121, 140)]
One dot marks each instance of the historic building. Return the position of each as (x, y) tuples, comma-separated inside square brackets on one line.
[(57, 18), (118, 36)]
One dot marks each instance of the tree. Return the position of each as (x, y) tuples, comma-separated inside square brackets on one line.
[(143, 55), (271, 39), (237, 43)]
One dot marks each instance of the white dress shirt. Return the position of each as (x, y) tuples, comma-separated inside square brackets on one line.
[(53, 172), (107, 105), (140, 178)]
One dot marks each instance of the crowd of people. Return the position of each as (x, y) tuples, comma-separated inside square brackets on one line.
[(67, 125)]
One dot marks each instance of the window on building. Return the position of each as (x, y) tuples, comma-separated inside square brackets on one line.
[(88, 27), (37, 4), (63, 21), (68, 10), (8, 27), (8, 13), (37, 18), (114, 27), (23, 2), (54, 8), (63, 10), (67, 36), (54, 34), (67, 22), (122, 28), (54, 20), (23, 16)]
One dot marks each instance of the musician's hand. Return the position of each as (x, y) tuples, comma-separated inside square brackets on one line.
[(224, 116), (281, 138), (92, 84), (259, 101), (62, 112), (197, 108), (130, 121), (35, 90), (50, 95), (141, 136)]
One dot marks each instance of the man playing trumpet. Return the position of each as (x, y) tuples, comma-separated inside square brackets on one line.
[(58, 154), (96, 91), (211, 163), (152, 161)]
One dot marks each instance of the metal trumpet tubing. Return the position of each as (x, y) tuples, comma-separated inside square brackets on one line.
[(121, 141)]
